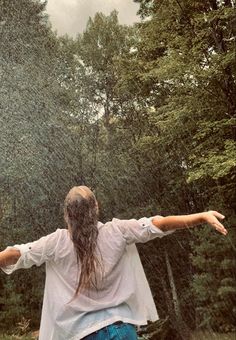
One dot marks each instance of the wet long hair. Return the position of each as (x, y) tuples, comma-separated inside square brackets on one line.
[(81, 214)]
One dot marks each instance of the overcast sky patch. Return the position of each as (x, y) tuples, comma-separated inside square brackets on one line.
[(71, 16)]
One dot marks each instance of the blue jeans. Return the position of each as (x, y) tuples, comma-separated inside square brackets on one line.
[(116, 331)]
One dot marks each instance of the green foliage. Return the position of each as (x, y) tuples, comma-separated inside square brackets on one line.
[(36, 149), (12, 305), (184, 69), (160, 329), (214, 283)]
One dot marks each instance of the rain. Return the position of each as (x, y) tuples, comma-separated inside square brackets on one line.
[(135, 100)]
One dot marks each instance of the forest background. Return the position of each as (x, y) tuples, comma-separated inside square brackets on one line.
[(145, 115)]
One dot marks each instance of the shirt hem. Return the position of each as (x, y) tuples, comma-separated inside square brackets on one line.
[(110, 321)]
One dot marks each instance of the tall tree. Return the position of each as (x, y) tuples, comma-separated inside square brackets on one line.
[(184, 67), (101, 43), (37, 150)]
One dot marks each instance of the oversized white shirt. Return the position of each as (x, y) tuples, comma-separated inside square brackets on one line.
[(123, 294)]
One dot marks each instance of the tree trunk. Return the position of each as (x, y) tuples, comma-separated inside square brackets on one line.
[(180, 323), (173, 287)]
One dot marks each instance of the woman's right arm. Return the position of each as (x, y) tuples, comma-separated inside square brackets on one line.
[(9, 257), (23, 256)]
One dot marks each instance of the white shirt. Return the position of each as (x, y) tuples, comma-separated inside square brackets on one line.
[(123, 294)]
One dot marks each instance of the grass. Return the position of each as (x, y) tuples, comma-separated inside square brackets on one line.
[(15, 337), (200, 335), (196, 336)]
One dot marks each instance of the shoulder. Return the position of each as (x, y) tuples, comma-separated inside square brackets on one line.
[(62, 232), (61, 235), (109, 227), (56, 238), (62, 243), (57, 234), (110, 231)]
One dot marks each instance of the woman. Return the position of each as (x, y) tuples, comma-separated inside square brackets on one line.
[(95, 284)]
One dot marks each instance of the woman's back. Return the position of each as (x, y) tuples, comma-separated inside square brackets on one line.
[(121, 293)]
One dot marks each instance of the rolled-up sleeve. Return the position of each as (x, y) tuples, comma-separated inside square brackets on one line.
[(139, 231), (35, 253)]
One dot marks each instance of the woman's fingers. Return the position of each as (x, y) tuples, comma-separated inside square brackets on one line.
[(212, 218), (218, 215), (219, 227)]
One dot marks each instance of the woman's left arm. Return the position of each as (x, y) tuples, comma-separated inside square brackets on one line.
[(185, 221), (9, 256)]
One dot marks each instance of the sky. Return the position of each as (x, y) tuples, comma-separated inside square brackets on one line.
[(71, 16)]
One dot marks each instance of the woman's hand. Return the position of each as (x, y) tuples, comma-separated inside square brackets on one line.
[(211, 217)]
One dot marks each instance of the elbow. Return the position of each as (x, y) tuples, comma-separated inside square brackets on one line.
[(159, 223), (9, 257), (14, 256)]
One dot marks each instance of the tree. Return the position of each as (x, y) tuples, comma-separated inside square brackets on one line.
[(184, 67), (38, 154), (103, 40)]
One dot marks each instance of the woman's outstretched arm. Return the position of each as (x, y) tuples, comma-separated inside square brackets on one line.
[(9, 256), (23, 256), (186, 221)]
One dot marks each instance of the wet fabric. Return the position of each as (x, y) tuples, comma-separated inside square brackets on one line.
[(122, 293)]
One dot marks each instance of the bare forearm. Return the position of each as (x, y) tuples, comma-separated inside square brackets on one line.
[(186, 221), (178, 222), (9, 256)]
